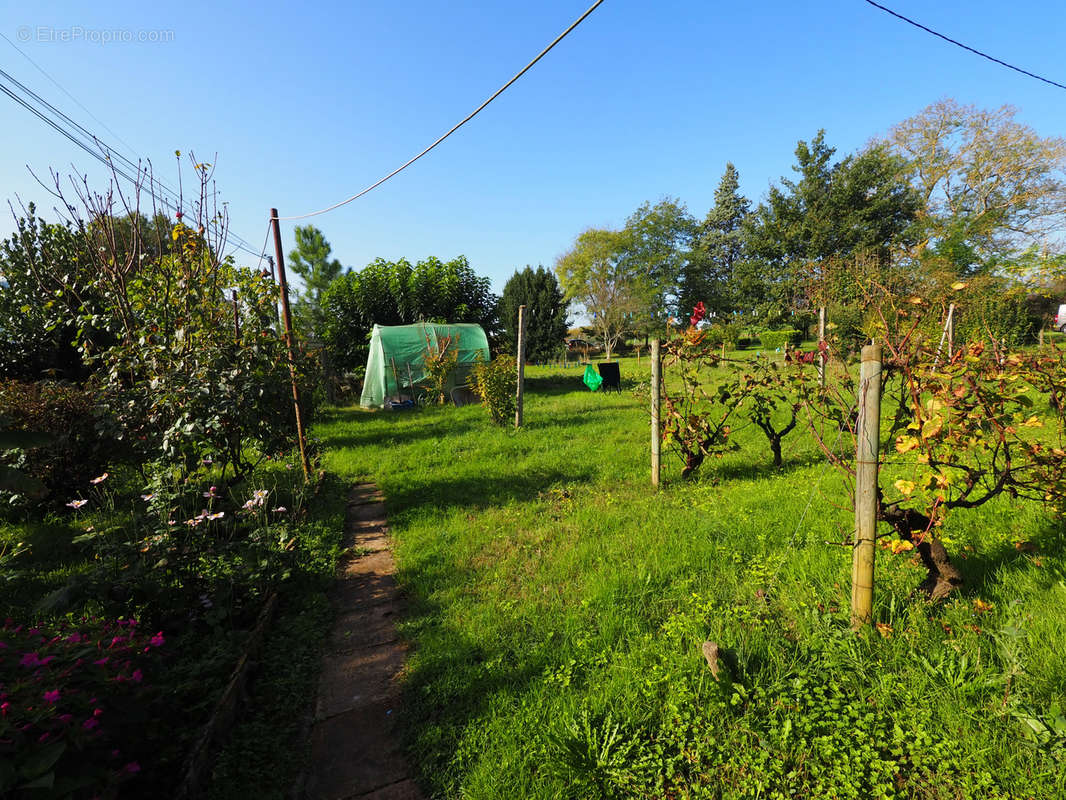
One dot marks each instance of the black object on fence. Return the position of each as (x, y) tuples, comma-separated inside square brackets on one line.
[(612, 378)]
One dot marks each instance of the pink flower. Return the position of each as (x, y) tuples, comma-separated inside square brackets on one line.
[(280, 510), (76, 504), (65, 718), (89, 724), (30, 660), (132, 767), (100, 479), (4, 707), (100, 662), (137, 676), (44, 737), (210, 493), (52, 696), (157, 640), (217, 515)]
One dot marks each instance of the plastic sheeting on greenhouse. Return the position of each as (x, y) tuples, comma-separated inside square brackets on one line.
[(396, 366)]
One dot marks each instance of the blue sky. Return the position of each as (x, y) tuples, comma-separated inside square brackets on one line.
[(301, 107)]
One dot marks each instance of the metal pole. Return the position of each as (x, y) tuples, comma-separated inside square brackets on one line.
[(821, 346), (656, 382), (290, 343), (868, 431), (519, 392)]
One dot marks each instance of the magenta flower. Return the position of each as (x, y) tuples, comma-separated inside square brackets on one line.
[(4, 707), (30, 660), (89, 724), (157, 640), (137, 676), (100, 662), (52, 696), (132, 767)]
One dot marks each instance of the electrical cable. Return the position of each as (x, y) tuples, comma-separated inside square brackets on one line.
[(469, 117), (963, 46), (102, 152)]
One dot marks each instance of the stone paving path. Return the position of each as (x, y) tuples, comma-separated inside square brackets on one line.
[(355, 748)]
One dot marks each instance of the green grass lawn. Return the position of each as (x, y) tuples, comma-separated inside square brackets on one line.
[(557, 607)]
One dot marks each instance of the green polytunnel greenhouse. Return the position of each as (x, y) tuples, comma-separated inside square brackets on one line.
[(396, 365)]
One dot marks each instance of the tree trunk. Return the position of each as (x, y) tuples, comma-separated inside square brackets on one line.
[(943, 577)]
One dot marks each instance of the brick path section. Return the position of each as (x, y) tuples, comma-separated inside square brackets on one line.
[(355, 748)]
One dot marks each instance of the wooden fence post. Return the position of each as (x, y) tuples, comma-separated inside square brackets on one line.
[(290, 345), (656, 382), (520, 391), (867, 433)]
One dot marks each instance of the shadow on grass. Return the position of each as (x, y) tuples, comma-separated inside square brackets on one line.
[(392, 428), (478, 491), (454, 678), (983, 570)]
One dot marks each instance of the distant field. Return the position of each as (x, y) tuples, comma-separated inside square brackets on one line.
[(557, 607)]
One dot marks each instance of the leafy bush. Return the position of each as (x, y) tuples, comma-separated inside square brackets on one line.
[(774, 340), (846, 329), (440, 360), (992, 312), (720, 333), (77, 448), (496, 382)]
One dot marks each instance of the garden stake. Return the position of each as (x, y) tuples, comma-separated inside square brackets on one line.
[(656, 368), (821, 346), (289, 344), (521, 366), (867, 433)]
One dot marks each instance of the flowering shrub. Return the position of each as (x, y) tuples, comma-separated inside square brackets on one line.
[(65, 696)]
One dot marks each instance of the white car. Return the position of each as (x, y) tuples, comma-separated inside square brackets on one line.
[(1060, 319)]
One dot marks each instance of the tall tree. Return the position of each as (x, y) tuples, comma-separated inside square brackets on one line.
[(599, 273), (718, 248), (656, 242), (858, 205), (990, 187), (397, 293), (539, 291), (310, 259)]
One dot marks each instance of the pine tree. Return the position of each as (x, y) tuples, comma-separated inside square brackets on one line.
[(709, 273), (311, 261), (539, 291)]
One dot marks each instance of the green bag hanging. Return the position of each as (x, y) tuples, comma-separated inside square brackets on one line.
[(592, 378)]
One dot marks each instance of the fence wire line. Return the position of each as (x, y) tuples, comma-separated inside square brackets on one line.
[(799, 523)]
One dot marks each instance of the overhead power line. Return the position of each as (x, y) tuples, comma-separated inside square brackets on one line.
[(965, 47), (469, 117), (89, 142)]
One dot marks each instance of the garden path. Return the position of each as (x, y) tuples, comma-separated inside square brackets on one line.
[(355, 746)]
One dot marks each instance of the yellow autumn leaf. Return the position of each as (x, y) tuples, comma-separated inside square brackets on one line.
[(916, 300), (958, 285), (1033, 422), (901, 546), (904, 487), (884, 630), (905, 443), (980, 606), (932, 427)]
